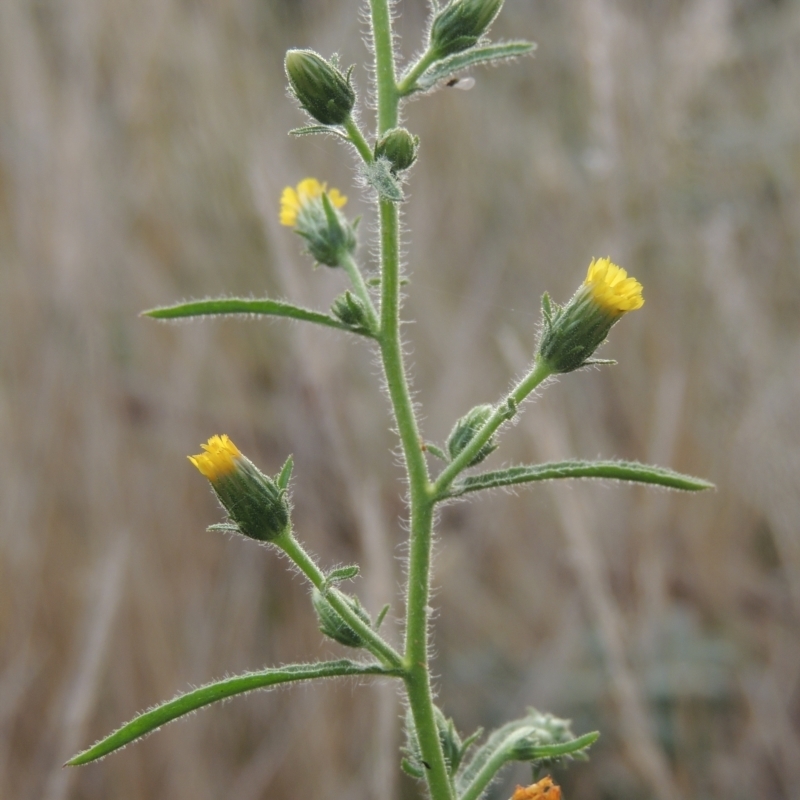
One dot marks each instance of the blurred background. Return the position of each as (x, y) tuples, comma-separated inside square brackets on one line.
[(143, 149)]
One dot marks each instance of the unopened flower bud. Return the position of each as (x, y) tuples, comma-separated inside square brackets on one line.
[(452, 747), (350, 311), (571, 333), (461, 24), (331, 623), (257, 507), (464, 432), (322, 90), (399, 147)]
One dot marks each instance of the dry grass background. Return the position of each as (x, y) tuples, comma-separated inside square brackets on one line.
[(142, 152)]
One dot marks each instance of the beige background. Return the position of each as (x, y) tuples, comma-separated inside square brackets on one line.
[(143, 148)]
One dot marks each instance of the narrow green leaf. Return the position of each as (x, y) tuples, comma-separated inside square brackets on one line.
[(438, 452), (605, 470), (149, 721), (342, 574), (239, 305), (381, 617), (470, 740), (378, 174), (473, 57), (225, 527), (285, 474), (310, 130), (411, 770), (570, 748), (547, 309)]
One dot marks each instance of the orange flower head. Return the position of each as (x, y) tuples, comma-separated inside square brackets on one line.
[(544, 789)]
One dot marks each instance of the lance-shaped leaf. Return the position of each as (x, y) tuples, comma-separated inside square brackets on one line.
[(154, 718), (630, 471), (378, 174), (538, 738), (476, 56), (239, 305), (310, 130)]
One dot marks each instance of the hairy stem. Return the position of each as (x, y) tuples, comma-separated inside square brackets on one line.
[(415, 661), (384, 64), (406, 85), (492, 766), (375, 643), (359, 142), (503, 412)]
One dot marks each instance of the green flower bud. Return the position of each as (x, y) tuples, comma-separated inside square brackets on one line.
[(571, 333), (461, 24), (350, 311), (257, 506), (322, 90), (399, 147), (547, 731), (452, 747), (333, 626), (464, 432)]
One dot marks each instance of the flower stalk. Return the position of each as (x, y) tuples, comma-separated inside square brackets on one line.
[(373, 641)]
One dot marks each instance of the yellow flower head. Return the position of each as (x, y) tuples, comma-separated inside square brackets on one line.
[(571, 333), (611, 288), (309, 189), (219, 459), (256, 504)]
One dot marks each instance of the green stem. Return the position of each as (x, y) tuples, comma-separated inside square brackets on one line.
[(406, 85), (384, 64), (375, 643), (493, 765), (417, 680), (502, 413), (417, 676), (392, 355), (358, 140), (357, 279)]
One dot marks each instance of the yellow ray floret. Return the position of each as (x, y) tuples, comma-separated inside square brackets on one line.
[(611, 287), (293, 199), (219, 458)]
